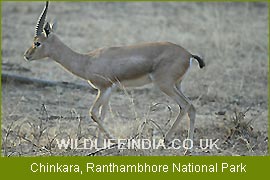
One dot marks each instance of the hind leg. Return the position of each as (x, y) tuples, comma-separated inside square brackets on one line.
[(173, 91), (191, 114), (185, 107)]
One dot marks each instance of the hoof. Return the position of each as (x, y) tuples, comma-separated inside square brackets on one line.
[(188, 152), (94, 118), (167, 143)]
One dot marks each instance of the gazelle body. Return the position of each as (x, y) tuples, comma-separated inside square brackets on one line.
[(160, 63)]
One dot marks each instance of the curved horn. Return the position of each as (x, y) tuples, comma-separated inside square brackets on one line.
[(41, 20)]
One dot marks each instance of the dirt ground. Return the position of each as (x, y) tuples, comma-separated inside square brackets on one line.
[(230, 93)]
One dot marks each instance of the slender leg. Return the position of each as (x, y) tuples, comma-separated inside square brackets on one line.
[(175, 124), (191, 114), (105, 102), (104, 108), (185, 107), (98, 108)]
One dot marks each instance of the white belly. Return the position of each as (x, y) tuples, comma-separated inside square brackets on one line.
[(143, 80)]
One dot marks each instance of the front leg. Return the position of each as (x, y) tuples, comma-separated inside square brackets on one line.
[(98, 110), (100, 125)]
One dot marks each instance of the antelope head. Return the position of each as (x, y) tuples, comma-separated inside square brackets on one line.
[(42, 39)]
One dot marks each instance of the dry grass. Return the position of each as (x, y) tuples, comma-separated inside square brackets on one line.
[(232, 37), (22, 137)]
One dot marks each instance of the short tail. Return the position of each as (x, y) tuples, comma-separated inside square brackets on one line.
[(200, 60)]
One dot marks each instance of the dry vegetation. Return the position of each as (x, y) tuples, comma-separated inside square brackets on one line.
[(230, 94)]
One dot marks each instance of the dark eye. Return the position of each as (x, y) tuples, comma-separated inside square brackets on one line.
[(37, 44)]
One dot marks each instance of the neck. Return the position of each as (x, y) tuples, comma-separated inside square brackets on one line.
[(69, 59)]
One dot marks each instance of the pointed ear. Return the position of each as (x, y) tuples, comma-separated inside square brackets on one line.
[(53, 26), (47, 29)]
